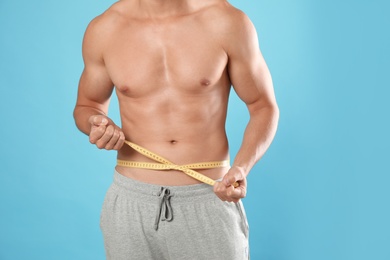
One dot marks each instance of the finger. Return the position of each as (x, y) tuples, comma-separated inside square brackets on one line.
[(220, 190), (236, 193), (218, 187), (120, 141), (102, 142), (224, 193), (230, 193), (96, 133), (232, 177), (98, 120), (114, 139)]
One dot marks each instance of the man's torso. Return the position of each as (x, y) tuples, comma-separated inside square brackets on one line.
[(172, 83)]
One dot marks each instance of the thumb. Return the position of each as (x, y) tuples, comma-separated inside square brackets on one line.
[(229, 179), (98, 120), (233, 177)]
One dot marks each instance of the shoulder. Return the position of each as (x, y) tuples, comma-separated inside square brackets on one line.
[(102, 28), (106, 22), (229, 16), (230, 23), (238, 33)]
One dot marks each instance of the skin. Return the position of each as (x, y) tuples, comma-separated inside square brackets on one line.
[(172, 65)]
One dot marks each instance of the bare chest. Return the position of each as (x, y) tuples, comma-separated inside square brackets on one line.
[(182, 55)]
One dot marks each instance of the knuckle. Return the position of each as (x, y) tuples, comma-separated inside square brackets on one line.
[(93, 139), (100, 145), (110, 130), (230, 179), (116, 134), (99, 130)]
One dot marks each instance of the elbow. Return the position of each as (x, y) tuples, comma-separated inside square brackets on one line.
[(75, 113), (270, 108), (276, 112), (273, 113), (77, 119), (268, 114)]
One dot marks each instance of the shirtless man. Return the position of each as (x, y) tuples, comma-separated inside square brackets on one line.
[(172, 64)]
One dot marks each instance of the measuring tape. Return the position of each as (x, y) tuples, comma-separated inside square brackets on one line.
[(164, 164)]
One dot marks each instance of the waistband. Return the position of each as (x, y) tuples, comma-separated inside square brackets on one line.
[(148, 192)]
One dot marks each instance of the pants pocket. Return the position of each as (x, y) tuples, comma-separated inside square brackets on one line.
[(244, 220), (108, 198)]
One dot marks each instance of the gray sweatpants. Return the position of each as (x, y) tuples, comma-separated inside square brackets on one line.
[(145, 221)]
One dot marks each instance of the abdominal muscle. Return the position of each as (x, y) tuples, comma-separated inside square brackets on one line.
[(183, 129)]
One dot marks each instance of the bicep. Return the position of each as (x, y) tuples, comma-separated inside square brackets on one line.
[(95, 86), (248, 71), (95, 89)]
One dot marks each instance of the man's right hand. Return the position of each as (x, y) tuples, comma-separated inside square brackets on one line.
[(105, 134)]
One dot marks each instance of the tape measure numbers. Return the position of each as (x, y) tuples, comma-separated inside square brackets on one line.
[(164, 164)]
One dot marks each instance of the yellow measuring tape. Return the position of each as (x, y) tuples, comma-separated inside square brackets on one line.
[(164, 164)]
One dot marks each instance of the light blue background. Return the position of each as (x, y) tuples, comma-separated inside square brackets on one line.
[(320, 193)]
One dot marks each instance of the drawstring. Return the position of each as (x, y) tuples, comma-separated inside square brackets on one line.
[(164, 207)]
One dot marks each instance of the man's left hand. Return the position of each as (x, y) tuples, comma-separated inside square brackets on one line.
[(225, 189)]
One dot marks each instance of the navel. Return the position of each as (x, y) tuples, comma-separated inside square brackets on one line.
[(173, 142)]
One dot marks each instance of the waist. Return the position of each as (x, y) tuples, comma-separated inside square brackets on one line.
[(168, 177), (164, 164)]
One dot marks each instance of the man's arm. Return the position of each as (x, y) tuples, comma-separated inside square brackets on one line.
[(252, 82), (94, 92)]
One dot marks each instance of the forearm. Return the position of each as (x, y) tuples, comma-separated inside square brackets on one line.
[(258, 136), (81, 116)]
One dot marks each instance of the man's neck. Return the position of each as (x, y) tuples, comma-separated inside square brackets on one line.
[(164, 8)]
